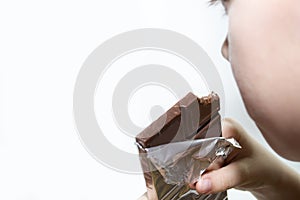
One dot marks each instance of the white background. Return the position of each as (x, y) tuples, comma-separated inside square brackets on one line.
[(42, 47)]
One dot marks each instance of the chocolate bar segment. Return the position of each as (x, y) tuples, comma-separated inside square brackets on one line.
[(190, 118), (180, 122)]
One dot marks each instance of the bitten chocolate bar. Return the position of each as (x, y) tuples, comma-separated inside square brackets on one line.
[(189, 119)]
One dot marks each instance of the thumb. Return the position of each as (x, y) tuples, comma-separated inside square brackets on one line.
[(222, 179)]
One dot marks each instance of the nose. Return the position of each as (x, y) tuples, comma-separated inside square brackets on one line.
[(225, 49)]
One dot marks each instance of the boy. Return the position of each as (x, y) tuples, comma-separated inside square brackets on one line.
[(263, 47)]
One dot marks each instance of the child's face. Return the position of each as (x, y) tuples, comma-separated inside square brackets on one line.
[(263, 47)]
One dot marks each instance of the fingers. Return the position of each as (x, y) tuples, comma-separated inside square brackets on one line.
[(230, 129), (216, 164), (219, 179), (222, 179), (193, 185)]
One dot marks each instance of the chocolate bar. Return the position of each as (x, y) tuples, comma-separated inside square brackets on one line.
[(193, 112), (189, 119)]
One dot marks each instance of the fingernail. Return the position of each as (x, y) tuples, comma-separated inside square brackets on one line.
[(205, 185)]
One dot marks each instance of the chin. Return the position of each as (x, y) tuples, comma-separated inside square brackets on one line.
[(280, 133)]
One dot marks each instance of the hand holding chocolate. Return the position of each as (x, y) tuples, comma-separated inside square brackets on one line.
[(180, 145)]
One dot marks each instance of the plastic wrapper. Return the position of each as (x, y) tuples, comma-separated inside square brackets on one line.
[(175, 165)]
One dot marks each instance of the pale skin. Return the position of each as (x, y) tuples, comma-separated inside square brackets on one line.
[(263, 48)]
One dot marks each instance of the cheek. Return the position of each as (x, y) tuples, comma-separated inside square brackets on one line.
[(245, 54), (257, 45), (264, 46)]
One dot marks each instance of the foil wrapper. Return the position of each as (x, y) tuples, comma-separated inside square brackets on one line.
[(181, 163)]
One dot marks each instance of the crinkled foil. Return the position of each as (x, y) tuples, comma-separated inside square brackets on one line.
[(178, 164), (183, 162), (193, 195)]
